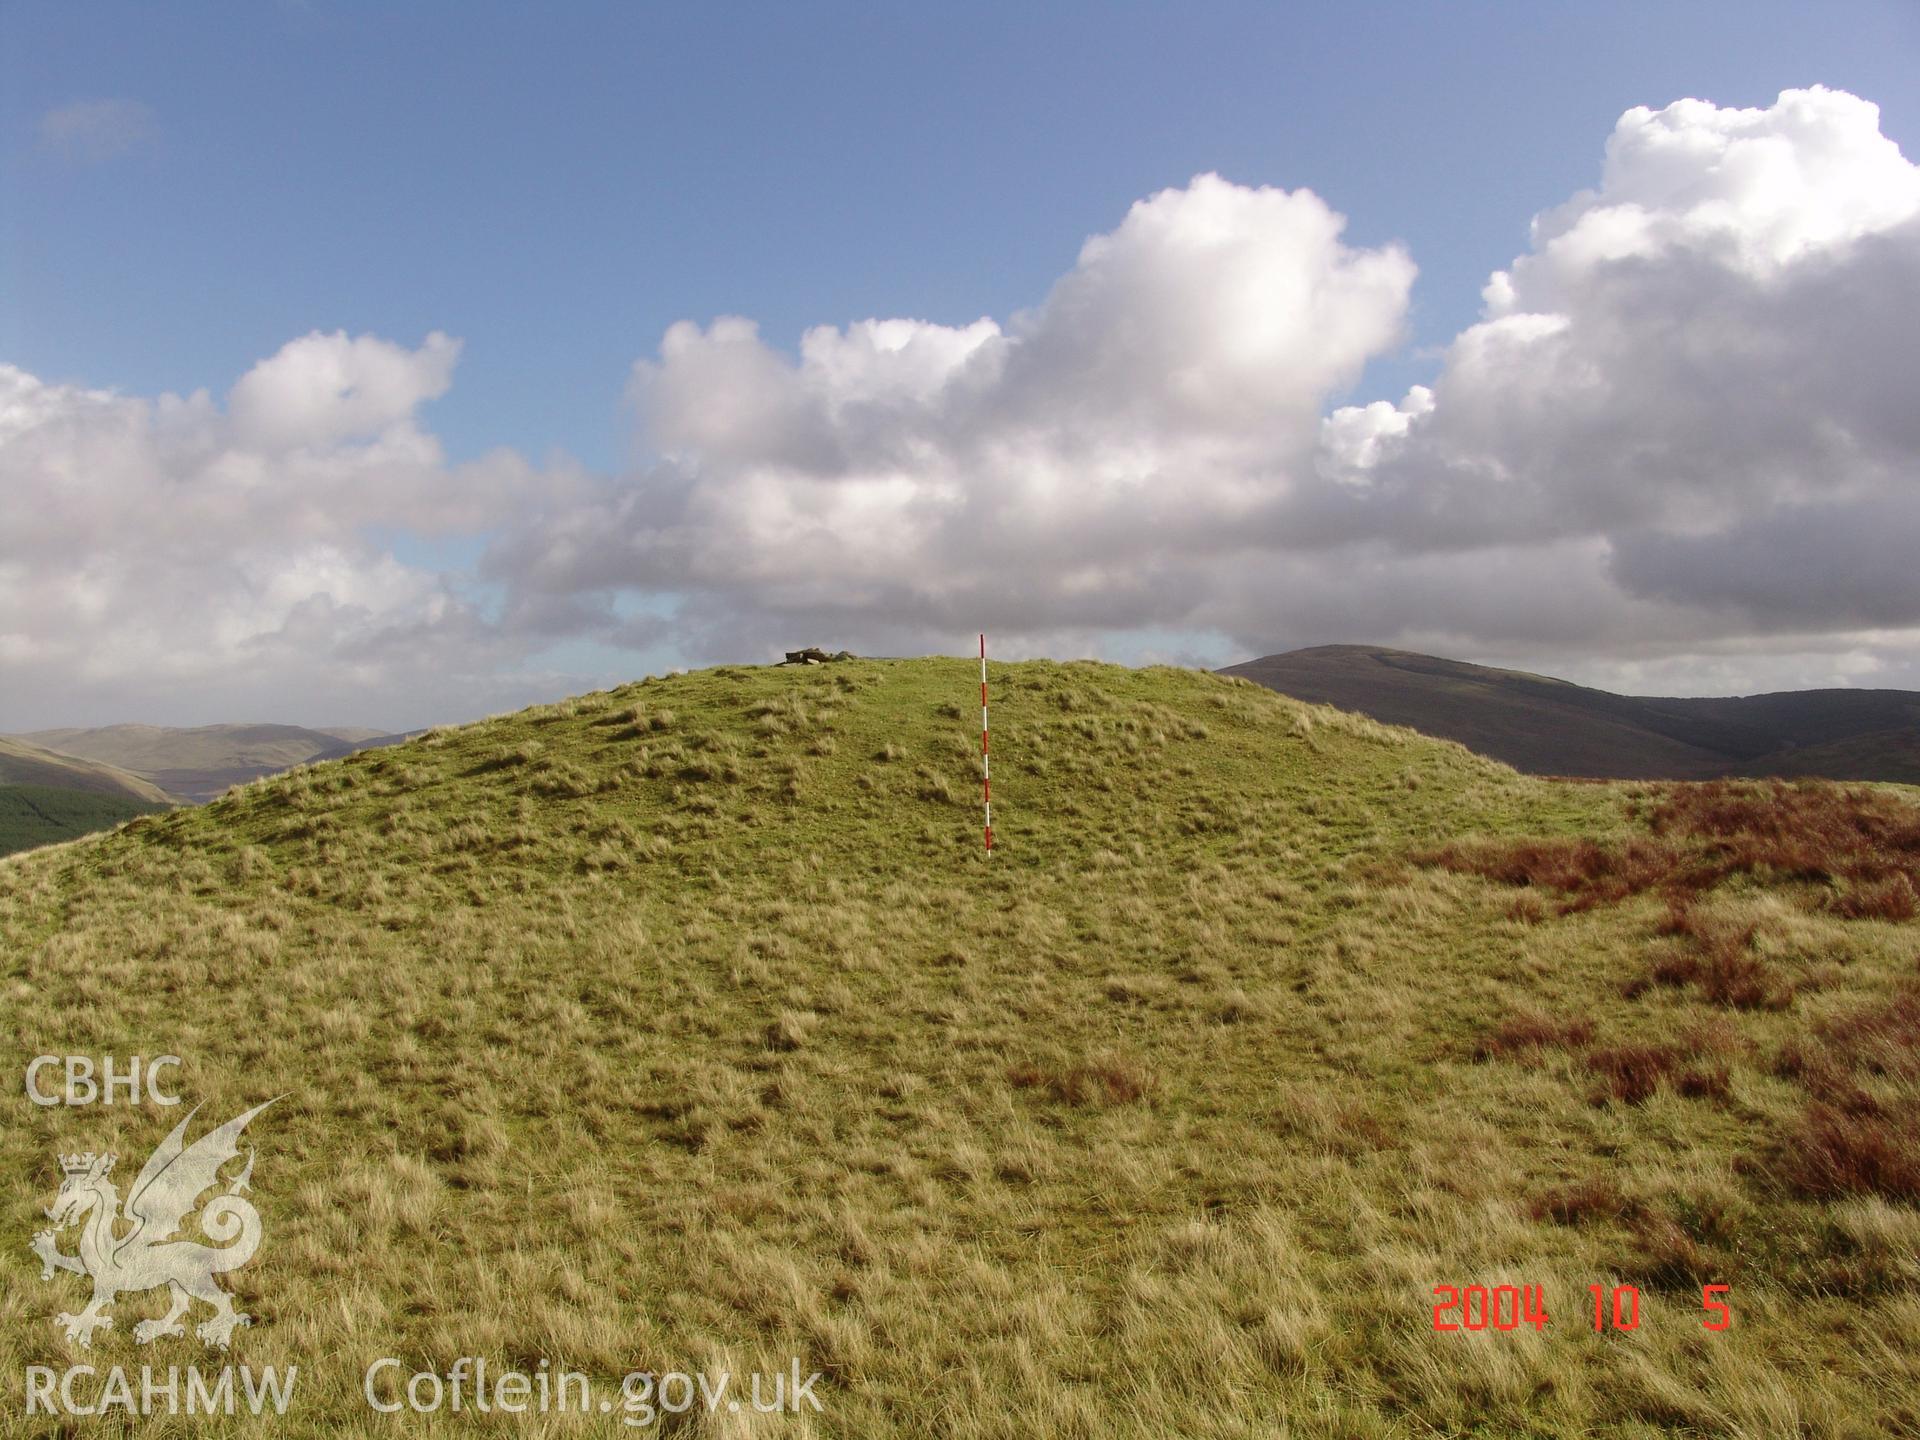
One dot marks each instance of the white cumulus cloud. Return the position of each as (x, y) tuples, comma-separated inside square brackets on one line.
[(322, 390), (1086, 462), (1685, 415), (1679, 450), (1705, 366), (175, 556)]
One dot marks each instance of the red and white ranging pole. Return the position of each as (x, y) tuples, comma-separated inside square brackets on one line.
[(986, 775)]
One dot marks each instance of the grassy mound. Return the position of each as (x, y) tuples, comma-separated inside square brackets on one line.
[(686, 1026)]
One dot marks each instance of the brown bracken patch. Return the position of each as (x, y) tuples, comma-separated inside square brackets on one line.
[(1861, 846), (1584, 872), (1530, 1031), (1859, 1132), (1719, 960), (1632, 1073)]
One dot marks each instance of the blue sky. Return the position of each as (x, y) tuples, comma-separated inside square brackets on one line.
[(556, 186)]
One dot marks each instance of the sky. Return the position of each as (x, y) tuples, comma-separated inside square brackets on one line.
[(393, 365)]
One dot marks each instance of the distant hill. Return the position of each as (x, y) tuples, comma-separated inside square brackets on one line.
[(372, 740), (1880, 755), (162, 747), (1551, 727), (195, 764), (33, 815), (355, 733), (22, 763)]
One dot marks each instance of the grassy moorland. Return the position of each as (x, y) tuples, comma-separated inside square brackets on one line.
[(686, 1026)]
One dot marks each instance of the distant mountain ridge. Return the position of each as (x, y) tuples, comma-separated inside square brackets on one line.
[(373, 740), (198, 763), (1546, 726)]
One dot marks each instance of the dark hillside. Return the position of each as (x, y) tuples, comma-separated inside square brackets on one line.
[(1552, 727)]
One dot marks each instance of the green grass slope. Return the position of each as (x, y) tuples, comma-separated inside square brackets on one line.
[(25, 764), (33, 815), (687, 1027)]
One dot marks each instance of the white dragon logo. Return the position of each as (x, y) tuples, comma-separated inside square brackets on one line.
[(146, 1256)]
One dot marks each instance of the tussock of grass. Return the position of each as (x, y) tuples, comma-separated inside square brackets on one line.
[(1589, 1198), (1632, 1073), (1110, 1080), (1888, 897), (1532, 1031)]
